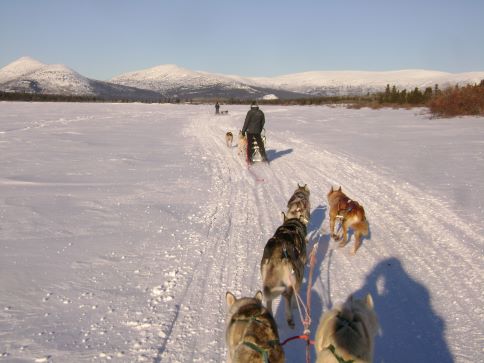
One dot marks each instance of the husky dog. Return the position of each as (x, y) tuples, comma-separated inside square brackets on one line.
[(225, 112), (299, 204), (242, 145), (347, 333), (229, 138), (282, 264), (251, 333), (352, 215)]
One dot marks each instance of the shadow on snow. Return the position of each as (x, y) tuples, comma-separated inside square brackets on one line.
[(411, 331), (274, 154)]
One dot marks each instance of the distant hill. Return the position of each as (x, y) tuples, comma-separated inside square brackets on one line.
[(171, 81), (31, 76), (174, 81)]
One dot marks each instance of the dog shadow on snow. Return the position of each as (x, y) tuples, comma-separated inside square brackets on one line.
[(411, 331), (274, 154), (295, 350)]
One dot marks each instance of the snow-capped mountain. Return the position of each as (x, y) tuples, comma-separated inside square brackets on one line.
[(19, 68), (172, 80), (31, 76), (169, 76), (359, 82), (168, 81)]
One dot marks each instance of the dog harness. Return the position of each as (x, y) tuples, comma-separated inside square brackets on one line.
[(264, 353), (300, 197), (292, 229), (350, 205), (339, 358)]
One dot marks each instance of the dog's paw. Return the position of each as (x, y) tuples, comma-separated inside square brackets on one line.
[(335, 237), (342, 244)]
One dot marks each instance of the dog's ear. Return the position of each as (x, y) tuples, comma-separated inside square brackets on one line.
[(258, 295), (332, 190), (230, 298), (298, 186), (369, 302), (339, 190), (284, 218)]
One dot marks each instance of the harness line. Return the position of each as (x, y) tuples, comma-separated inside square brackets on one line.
[(307, 308)]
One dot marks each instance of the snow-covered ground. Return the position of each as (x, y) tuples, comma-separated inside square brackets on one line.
[(123, 225)]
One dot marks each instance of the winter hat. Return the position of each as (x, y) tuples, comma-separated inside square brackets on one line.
[(254, 104)]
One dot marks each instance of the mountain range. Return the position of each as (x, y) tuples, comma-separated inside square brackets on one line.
[(171, 81)]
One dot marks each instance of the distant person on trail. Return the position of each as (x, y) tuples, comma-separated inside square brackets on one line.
[(253, 125), (217, 108)]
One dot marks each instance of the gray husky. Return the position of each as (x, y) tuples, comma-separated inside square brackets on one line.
[(251, 333), (282, 264), (298, 205), (347, 332)]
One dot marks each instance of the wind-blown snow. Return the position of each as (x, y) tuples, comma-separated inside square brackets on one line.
[(123, 225)]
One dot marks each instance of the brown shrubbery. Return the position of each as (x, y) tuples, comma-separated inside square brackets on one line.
[(468, 100)]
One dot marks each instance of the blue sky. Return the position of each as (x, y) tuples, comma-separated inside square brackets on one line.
[(104, 38)]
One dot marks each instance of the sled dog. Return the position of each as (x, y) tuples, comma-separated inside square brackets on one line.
[(229, 138), (242, 145), (224, 112), (347, 332), (352, 216), (282, 264), (298, 205), (251, 333)]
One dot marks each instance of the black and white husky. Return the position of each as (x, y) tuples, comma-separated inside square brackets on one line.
[(299, 205), (282, 264)]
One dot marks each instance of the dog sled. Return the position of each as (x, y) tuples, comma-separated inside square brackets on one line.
[(255, 151)]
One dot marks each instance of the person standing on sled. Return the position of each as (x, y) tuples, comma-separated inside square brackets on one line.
[(253, 125)]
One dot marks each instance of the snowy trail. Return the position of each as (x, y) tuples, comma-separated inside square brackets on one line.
[(123, 226), (411, 231)]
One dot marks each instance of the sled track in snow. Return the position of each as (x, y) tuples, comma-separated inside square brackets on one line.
[(407, 226)]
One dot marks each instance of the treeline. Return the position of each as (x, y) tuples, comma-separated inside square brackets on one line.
[(37, 97), (414, 97), (454, 101)]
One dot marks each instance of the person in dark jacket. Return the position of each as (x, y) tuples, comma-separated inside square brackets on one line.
[(253, 125), (217, 108)]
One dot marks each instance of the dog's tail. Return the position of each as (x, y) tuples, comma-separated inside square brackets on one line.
[(276, 281), (361, 227)]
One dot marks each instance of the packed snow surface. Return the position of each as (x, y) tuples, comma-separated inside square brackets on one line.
[(122, 226)]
